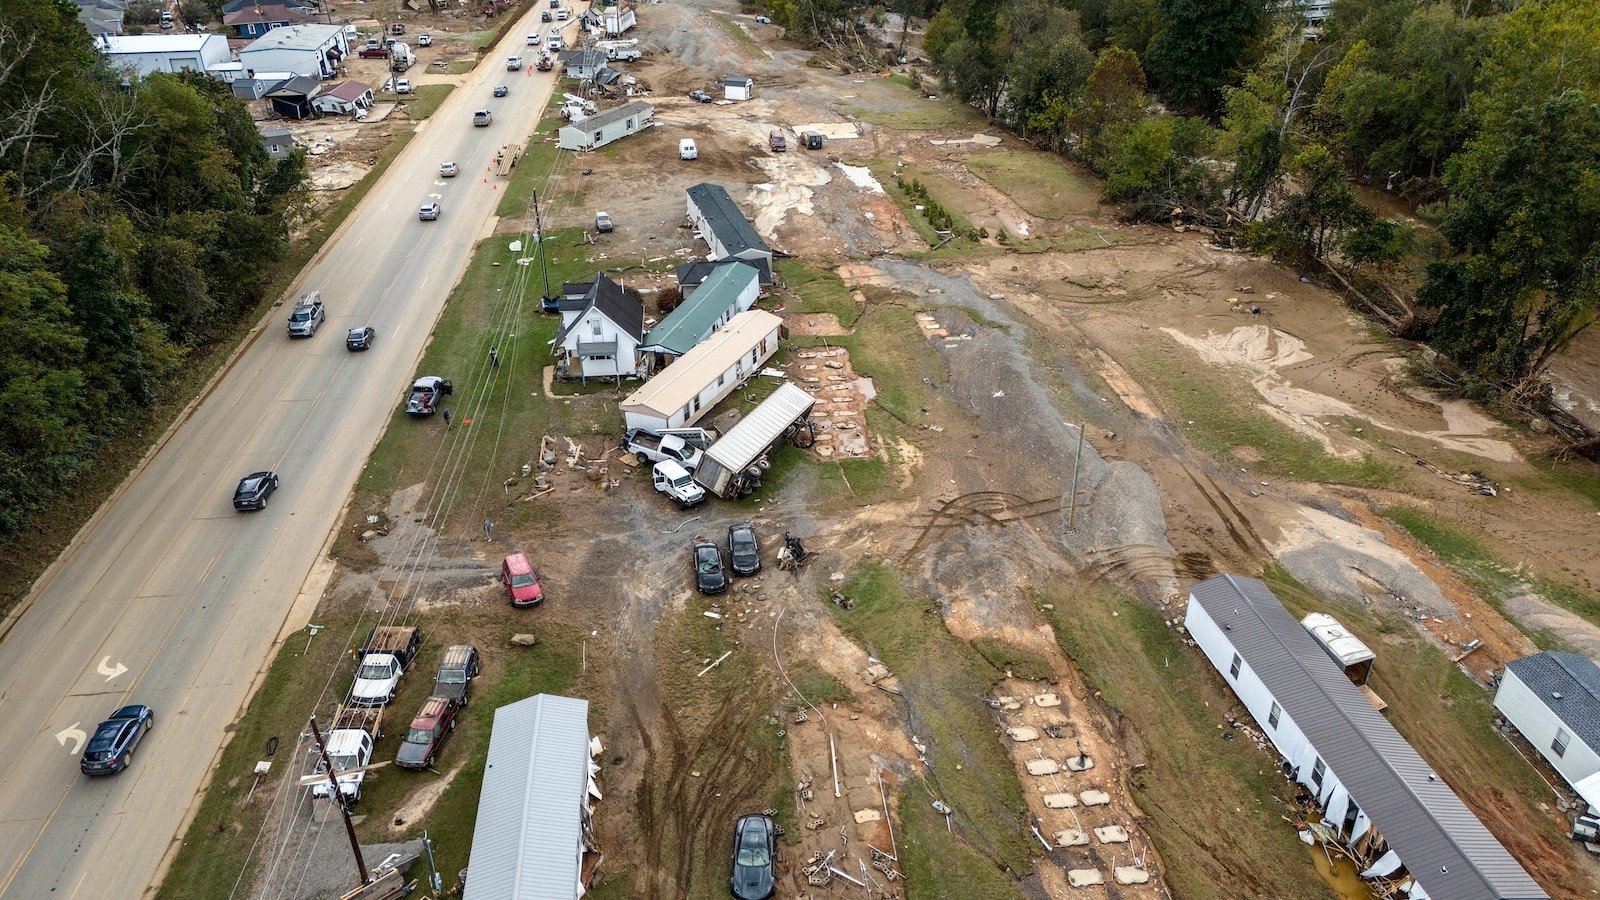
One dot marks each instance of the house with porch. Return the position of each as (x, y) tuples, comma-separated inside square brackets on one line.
[(250, 19), (600, 332), (343, 99)]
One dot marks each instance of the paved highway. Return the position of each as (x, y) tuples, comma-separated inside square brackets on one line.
[(170, 598)]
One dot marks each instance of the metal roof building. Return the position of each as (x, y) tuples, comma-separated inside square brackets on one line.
[(729, 290), (721, 469), (601, 129), (725, 230), (1376, 790), (533, 811), (684, 391), (1553, 699)]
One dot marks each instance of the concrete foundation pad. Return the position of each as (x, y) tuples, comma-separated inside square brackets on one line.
[(863, 816), (1085, 877), (1022, 734), (1130, 875), (1111, 834), (1047, 700), (1080, 763), (1072, 837), (1063, 800), (1095, 798), (1038, 767)]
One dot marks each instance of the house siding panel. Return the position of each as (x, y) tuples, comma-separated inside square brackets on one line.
[(1536, 722)]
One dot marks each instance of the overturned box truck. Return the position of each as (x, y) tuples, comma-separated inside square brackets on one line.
[(733, 466)]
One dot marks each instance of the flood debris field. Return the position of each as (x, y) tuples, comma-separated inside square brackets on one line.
[(1039, 433)]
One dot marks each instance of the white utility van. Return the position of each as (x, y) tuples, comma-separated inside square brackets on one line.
[(686, 149)]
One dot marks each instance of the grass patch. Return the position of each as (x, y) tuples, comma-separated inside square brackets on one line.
[(425, 100), (460, 66), (816, 685), (1174, 700), (949, 195), (1040, 183), (540, 160), (1020, 663), (945, 680), (741, 36), (1576, 477), (1488, 576), (1223, 423), (818, 291), (939, 865), (915, 113)]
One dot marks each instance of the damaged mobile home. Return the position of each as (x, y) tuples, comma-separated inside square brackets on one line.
[(1410, 835)]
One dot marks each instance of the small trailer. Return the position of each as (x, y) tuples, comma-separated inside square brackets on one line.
[(733, 466)]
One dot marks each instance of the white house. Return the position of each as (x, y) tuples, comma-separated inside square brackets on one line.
[(725, 230), (276, 140), (599, 130), (686, 390), (730, 289), (314, 50), (600, 332), (344, 98), (143, 54), (738, 87), (1380, 799), (1553, 699), (535, 809)]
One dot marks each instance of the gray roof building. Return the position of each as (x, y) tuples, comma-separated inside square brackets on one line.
[(1569, 684), (533, 811), (1442, 844)]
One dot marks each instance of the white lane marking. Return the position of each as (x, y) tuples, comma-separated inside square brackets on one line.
[(110, 670), (73, 734)]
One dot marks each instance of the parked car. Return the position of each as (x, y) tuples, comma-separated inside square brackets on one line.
[(603, 223), (675, 481), (744, 551), (521, 581), (424, 40), (110, 748), (254, 489), (812, 140), (700, 96), (513, 64), (776, 141), (426, 394), (500, 90), (387, 654), (402, 85), (482, 118), (456, 671), (687, 149), (755, 858), (561, 15), (360, 338), (709, 576), (431, 725), (449, 170), (763, 20), (429, 211), (306, 316)]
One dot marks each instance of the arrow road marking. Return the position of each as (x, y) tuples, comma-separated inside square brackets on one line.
[(108, 670), (74, 735)]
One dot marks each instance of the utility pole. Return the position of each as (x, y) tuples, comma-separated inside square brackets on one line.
[(538, 233), (344, 809)]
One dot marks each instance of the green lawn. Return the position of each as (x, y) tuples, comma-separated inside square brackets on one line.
[(915, 113), (743, 37), (818, 291), (425, 99), (1041, 183)]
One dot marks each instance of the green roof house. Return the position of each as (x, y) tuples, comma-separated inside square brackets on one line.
[(726, 292)]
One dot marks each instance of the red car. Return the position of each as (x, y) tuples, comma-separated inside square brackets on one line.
[(433, 723), (520, 579)]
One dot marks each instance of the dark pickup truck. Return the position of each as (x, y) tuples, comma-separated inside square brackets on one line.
[(426, 394)]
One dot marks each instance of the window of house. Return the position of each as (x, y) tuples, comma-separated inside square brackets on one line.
[(1559, 745), (721, 378), (597, 137), (1317, 772), (629, 125), (1275, 715), (1233, 667), (594, 327)]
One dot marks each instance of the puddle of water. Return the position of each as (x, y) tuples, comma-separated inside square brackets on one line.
[(1342, 878)]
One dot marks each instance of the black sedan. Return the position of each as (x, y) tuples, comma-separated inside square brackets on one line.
[(709, 576), (744, 553), (254, 489), (110, 749), (755, 856), (360, 338), (501, 90)]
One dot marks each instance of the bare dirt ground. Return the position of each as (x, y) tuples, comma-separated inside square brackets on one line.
[(1109, 332)]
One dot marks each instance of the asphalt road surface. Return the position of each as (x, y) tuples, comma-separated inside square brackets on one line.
[(171, 599)]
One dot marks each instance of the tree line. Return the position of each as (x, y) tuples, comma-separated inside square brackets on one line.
[(139, 219), (1234, 113)]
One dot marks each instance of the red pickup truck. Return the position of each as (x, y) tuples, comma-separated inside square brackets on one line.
[(373, 50)]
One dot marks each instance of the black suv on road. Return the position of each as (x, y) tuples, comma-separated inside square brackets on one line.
[(254, 489)]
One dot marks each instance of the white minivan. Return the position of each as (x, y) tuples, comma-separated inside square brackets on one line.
[(686, 149), (533, 40)]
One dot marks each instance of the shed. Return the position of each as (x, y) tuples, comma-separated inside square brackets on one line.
[(688, 388), (313, 50), (723, 467), (277, 141), (603, 128), (719, 222), (738, 87), (618, 18), (143, 54), (730, 290), (600, 332), (1553, 700), (533, 827), (292, 99), (1380, 799), (344, 98)]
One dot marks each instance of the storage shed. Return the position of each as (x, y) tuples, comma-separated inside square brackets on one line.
[(1553, 700), (533, 829), (719, 222), (738, 87), (603, 128), (686, 390), (730, 290), (725, 467), (1405, 827)]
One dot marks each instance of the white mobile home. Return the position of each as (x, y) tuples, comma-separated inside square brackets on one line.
[(1380, 799), (599, 130), (686, 390), (726, 467), (600, 332), (144, 54), (535, 808), (1553, 699), (731, 289), (718, 221), (312, 50)]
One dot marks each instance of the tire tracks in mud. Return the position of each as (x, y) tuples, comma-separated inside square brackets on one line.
[(977, 509)]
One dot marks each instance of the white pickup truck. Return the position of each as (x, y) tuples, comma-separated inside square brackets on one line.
[(388, 651), (350, 743), (680, 445)]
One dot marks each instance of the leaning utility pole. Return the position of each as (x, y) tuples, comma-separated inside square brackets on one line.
[(538, 235), (344, 808)]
